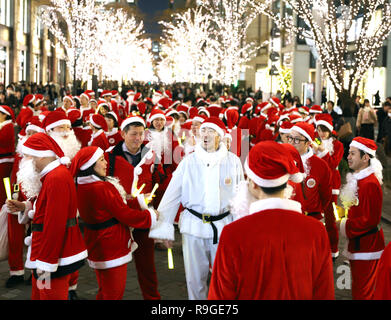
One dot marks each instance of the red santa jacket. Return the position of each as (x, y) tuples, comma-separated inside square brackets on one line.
[(333, 161), (58, 241), (108, 218), (275, 253), (317, 184), (7, 141), (83, 135), (142, 173), (99, 139), (383, 279), (85, 113), (366, 240), (114, 137)]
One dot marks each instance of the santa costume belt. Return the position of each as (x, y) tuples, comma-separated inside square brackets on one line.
[(358, 238), (38, 227), (207, 218), (5, 155), (103, 225)]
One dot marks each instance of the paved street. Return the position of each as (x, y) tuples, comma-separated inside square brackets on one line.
[(172, 285)]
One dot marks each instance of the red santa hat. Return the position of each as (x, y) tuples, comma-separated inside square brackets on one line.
[(216, 124), (30, 98), (269, 165), (316, 109), (130, 93), (324, 119), (137, 96), (98, 121), (232, 117), (170, 112), (132, 119), (175, 103), (285, 127), (214, 110), (249, 100), (156, 114), (200, 118), (42, 145), (245, 108), (114, 93), (34, 125), (168, 94), (282, 119), (38, 98), (70, 98), (304, 109), (193, 111), (294, 118), (203, 109), (73, 114), (113, 114), (43, 115), (305, 129), (275, 101), (367, 145), (84, 159), (295, 155), (55, 119), (183, 109), (86, 95), (8, 111), (106, 93)]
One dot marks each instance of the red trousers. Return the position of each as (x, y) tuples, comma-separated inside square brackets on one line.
[(16, 234), (364, 273), (331, 226), (50, 289), (111, 282), (5, 171), (144, 258)]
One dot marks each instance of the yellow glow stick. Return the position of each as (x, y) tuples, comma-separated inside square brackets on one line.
[(7, 186), (134, 187), (139, 190), (335, 212), (170, 259), (149, 199)]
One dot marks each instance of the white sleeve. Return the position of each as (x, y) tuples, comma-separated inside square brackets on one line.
[(24, 217), (168, 207)]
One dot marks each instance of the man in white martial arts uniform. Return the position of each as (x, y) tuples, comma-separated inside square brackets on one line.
[(204, 182)]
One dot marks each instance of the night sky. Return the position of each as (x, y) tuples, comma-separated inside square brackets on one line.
[(151, 8)]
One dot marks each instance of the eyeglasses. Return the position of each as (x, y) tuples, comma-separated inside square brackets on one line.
[(295, 140)]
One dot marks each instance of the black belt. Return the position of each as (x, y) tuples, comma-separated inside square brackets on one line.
[(358, 238), (312, 213), (103, 225), (3, 155), (207, 218), (38, 227)]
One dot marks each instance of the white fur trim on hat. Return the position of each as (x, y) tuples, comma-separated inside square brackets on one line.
[(58, 123), (65, 161), (302, 132), (156, 116), (362, 147), (34, 127), (97, 154), (4, 111), (213, 126), (38, 153), (130, 120), (199, 119), (324, 123), (282, 130), (265, 182)]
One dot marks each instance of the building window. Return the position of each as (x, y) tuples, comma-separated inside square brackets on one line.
[(38, 27), (22, 65), (3, 65), (5, 12), (24, 15)]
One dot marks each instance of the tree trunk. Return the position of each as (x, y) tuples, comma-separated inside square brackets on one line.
[(346, 102)]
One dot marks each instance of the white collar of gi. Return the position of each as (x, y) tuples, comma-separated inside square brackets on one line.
[(211, 158)]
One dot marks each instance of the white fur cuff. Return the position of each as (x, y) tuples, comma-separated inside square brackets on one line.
[(141, 202), (23, 217), (163, 231), (153, 218)]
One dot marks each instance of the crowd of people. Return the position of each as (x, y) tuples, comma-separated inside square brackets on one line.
[(253, 185)]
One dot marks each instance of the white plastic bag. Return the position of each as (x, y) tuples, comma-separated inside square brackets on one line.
[(4, 233)]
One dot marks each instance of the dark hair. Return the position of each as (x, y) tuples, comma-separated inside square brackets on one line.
[(387, 104), (331, 102), (88, 172), (134, 124), (290, 100), (324, 128), (110, 116), (273, 190), (362, 153), (366, 101)]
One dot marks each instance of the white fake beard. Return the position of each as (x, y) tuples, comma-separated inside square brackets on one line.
[(19, 145), (377, 169), (116, 183), (70, 145), (328, 145), (349, 195), (29, 178)]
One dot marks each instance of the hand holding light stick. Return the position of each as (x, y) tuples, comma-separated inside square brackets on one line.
[(7, 186), (149, 199)]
